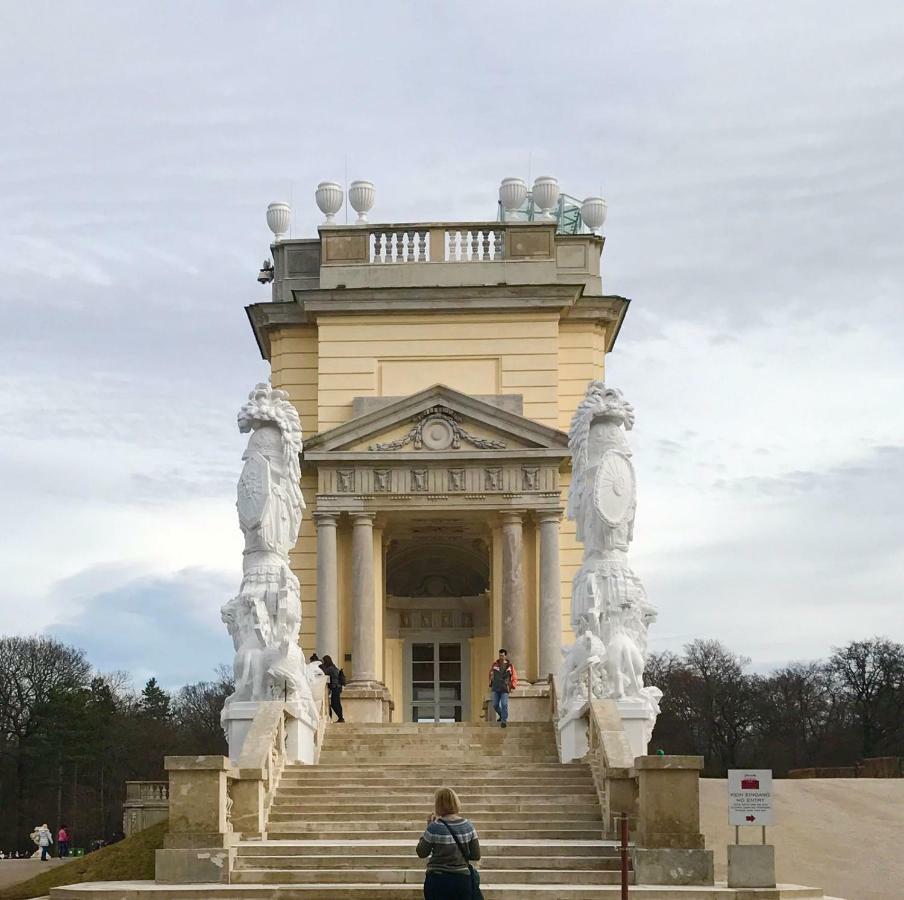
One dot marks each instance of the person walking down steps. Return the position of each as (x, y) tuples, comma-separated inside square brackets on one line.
[(449, 845), (337, 682), (503, 680)]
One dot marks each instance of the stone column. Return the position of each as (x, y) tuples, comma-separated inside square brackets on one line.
[(327, 591), (550, 624), (514, 613), (363, 623)]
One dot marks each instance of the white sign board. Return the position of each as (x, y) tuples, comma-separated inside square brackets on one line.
[(750, 797)]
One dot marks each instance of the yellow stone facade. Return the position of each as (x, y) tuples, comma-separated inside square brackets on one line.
[(527, 333)]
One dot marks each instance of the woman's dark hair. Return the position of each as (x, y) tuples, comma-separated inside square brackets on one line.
[(327, 661)]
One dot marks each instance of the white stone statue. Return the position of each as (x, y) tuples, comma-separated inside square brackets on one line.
[(609, 602), (264, 618)]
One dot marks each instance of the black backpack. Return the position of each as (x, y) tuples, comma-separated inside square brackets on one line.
[(342, 678)]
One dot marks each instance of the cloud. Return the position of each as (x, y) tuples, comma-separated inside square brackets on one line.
[(787, 567), (753, 173), (150, 625)]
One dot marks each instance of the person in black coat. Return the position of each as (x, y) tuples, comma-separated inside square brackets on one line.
[(334, 673)]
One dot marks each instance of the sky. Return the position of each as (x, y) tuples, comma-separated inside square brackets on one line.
[(752, 156)]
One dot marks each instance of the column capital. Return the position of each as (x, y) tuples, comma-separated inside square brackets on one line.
[(362, 518), (325, 519), (548, 515), (511, 516)]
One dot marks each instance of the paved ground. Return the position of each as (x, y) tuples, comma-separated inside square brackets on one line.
[(13, 871), (845, 835)]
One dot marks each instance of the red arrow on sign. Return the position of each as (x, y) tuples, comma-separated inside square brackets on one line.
[(751, 818)]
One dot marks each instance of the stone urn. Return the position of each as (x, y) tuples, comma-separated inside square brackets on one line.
[(546, 195), (361, 197), (279, 215), (512, 193), (593, 213), (329, 199)]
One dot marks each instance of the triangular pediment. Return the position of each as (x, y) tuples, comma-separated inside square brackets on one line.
[(438, 419)]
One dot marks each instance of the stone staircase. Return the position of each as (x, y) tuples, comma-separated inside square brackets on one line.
[(348, 826)]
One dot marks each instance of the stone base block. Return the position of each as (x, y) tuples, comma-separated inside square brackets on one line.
[(529, 704), (202, 865), (688, 867), (751, 866), (637, 724), (574, 740), (369, 702)]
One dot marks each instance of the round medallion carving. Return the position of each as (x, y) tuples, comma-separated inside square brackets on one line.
[(613, 489), (437, 434)]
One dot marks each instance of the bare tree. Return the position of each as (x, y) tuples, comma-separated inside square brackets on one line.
[(870, 674), (33, 670)]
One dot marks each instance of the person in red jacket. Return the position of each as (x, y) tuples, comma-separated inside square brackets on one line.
[(503, 680)]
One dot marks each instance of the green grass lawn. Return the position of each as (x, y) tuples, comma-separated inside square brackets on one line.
[(129, 860)]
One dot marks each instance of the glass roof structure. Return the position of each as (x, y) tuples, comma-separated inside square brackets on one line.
[(567, 213)]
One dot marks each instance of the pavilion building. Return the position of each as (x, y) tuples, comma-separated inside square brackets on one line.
[(436, 367)]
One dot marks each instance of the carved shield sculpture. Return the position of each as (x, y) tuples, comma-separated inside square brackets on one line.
[(253, 491), (614, 490)]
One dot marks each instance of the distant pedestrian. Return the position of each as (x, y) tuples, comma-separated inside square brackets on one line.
[(337, 682), (503, 680), (44, 840), (449, 845), (63, 841)]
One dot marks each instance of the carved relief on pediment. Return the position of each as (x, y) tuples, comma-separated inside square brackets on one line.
[(438, 428)]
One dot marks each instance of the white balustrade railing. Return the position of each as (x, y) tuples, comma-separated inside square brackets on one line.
[(396, 246), (475, 245), (454, 243)]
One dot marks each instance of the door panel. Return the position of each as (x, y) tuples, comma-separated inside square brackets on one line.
[(436, 681)]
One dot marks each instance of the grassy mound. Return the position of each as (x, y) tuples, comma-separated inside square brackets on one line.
[(129, 860)]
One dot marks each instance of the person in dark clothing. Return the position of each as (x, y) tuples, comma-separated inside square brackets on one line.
[(503, 680), (334, 673), (449, 844)]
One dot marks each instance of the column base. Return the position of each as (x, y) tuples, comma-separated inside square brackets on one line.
[(751, 866), (673, 866), (367, 701), (200, 865)]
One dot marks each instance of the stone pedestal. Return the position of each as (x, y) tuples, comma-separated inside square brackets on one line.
[(526, 704), (635, 717), (669, 845), (199, 846), (751, 866), (369, 702), (574, 739), (301, 730)]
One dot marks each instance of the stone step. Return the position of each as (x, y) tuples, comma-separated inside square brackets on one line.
[(148, 890), (437, 773), (410, 861), (502, 759), (482, 807), (407, 823), (428, 780), (420, 794), (341, 830), (426, 767), (381, 846), (414, 876), (416, 813)]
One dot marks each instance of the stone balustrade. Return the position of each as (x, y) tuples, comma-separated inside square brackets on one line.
[(417, 254), (146, 804)]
